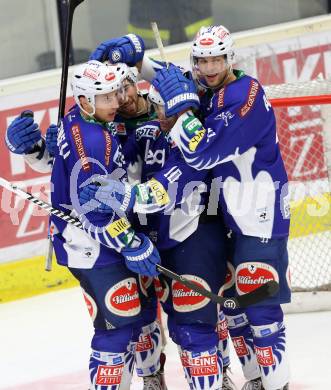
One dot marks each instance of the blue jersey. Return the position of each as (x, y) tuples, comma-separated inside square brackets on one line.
[(238, 142), (179, 189), (86, 149)]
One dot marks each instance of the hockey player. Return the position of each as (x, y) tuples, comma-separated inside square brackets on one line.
[(38, 153), (106, 265), (238, 141)]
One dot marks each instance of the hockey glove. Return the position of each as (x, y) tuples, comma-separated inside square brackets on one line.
[(111, 195), (23, 134), (178, 91), (51, 140), (143, 259), (128, 49)]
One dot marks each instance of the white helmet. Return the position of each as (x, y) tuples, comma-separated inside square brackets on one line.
[(154, 96), (132, 74), (213, 41), (96, 78)]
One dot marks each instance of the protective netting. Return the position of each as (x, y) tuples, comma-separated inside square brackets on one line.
[(304, 132)]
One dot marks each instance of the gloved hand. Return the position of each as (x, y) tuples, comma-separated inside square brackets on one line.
[(128, 49), (111, 195), (178, 91), (143, 259), (51, 140), (23, 134)]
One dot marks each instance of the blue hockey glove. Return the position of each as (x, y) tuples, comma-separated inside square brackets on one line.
[(112, 195), (51, 140), (128, 49), (178, 91), (23, 134), (143, 259)]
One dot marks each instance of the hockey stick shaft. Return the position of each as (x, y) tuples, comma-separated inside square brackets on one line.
[(257, 295), (159, 43), (71, 6), (40, 203)]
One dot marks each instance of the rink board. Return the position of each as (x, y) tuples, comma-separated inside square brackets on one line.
[(267, 52)]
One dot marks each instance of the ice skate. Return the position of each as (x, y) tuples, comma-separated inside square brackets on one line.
[(254, 384), (227, 383), (157, 380)]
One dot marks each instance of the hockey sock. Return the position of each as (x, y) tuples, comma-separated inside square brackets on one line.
[(200, 358), (270, 349), (224, 341), (242, 340), (111, 371), (148, 350), (203, 370), (186, 367)]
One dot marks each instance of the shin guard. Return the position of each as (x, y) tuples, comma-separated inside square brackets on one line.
[(242, 340), (224, 339), (111, 371), (270, 349), (148, 350), (203, 370)]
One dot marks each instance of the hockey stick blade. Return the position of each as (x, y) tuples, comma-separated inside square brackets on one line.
[(259, 294)]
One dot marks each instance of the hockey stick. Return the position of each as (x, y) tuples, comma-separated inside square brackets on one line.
[(159, 43), (71, 6), (259, 294)]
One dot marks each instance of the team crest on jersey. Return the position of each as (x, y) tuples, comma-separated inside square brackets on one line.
[(109, 375), (186, 300), (145, 282), (91, 305), (225, 117), (161, 289), (123, 299), (265, 356), (252, 94), (240, 346), (253, 274)]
